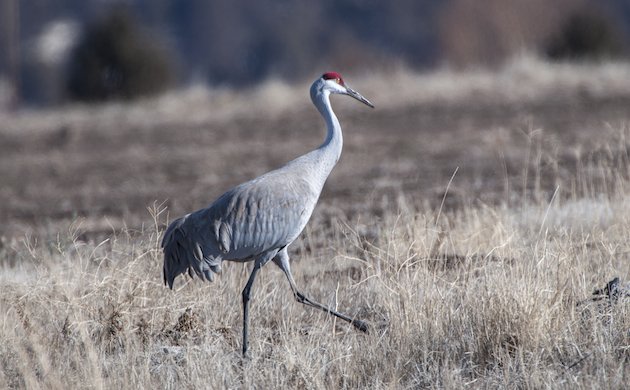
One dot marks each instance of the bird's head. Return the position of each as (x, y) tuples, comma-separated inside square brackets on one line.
[(332, 82)]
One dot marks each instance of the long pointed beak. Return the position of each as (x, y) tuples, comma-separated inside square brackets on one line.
[(358, 96)]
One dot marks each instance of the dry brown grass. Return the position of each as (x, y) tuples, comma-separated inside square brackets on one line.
[(482, 291), (500, 301)]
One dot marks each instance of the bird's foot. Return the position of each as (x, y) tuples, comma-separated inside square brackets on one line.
[(361, 325)]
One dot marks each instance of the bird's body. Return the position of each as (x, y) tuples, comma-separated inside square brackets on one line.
[(257, 220), (261, 215)]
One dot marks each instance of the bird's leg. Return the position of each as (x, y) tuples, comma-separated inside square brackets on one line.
[(361, 325), (246, 295), (282, 261)]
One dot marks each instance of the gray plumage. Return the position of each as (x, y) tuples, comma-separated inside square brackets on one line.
[(258, 220)]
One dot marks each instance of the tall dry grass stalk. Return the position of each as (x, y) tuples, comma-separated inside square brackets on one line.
[(484, 296)]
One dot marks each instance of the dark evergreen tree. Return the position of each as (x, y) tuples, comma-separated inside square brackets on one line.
[(116, 60)]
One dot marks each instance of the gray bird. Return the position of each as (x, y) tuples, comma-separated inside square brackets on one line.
[(258, 220)]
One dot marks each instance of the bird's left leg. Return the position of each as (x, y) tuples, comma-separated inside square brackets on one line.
[(282, 261), (259, 262)]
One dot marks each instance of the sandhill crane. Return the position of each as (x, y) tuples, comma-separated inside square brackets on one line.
[(258, 220)]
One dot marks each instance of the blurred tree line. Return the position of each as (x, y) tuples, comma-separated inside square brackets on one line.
[(122, 49)]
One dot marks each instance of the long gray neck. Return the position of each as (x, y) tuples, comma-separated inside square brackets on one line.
[(330, 150)]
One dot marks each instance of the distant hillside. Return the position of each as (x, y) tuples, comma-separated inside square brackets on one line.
[(245, 41)]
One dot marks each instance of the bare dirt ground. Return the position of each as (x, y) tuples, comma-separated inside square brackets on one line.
[(108, 164)]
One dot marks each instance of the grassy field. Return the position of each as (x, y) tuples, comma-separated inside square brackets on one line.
[(468, 222)]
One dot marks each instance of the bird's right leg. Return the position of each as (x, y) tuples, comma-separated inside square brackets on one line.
[(259, 262), (282, 261), (246, 296)]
